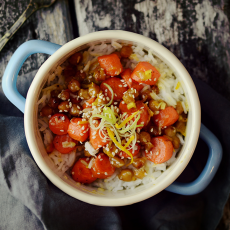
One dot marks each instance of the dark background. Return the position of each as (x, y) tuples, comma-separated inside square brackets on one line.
[(197, 32)]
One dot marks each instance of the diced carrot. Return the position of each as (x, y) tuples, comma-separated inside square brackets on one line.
[(95, 139), (126, 75), (77, 130), (102, 167), (117, 86), (81, 173), (139, 73), (133, 151), (59, 123), (144, 116), (88, 103), (166, 117), (162, 150), (111, 63), (64, 143)]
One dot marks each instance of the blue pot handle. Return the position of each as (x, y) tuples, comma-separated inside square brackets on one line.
[(11, 73), (209, 171)]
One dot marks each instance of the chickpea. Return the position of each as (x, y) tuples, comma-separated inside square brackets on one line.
[(53, 102), (146, 95), (134, 92), (157, 105), (55, 93), (46, 111), (69, 71), (64, 106), (155, 89), (75, 58), (80, 76), (74, 85), (128, 98), (176, 142), (170, 131), (148, 146), (126, 51), (117, 162), (99, 74), (144, 137), (180, 127), (183, 117), (154, 130), (94, 90), (126, 175), (154, 105), (83, 94), (75, 110), (110, 149), (179, 108), (64, 95), (139, 173), (139, 162), (86, 153)]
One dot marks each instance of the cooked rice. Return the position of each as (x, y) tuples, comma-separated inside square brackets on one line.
[(170, 90)]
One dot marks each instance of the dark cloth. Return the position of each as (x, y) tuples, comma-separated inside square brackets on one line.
[(28, 200)]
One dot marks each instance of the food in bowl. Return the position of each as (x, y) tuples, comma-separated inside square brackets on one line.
[(113, 116)]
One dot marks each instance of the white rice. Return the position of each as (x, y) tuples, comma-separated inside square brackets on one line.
[(170, 90)]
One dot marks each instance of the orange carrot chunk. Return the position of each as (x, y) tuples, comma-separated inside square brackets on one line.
[(59, 123), (117, 86), (64, 143), (162, 150), (126, 75), (111, 64), (88, 103), (78, 129), (95, 139), (166, 117), (102, 167), (145, 73), (81, 173)]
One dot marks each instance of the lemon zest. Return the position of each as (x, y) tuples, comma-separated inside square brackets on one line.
[(178, 85), (148, 74), (126, 120), (129, 141), (111, 135)]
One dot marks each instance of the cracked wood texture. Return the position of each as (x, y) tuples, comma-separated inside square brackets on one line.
[(196, 31), (50, 24)]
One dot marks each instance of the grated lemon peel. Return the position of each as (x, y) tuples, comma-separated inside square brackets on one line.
[(127, 120), (111, 135)]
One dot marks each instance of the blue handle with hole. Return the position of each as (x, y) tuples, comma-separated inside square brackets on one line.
[(37, 46)]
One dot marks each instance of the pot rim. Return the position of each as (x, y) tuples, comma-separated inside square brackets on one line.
[(162, 53)]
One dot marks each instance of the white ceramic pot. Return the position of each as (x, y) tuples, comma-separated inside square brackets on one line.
[(65, 183)]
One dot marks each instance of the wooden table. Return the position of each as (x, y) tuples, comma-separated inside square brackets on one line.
[(197, 32)]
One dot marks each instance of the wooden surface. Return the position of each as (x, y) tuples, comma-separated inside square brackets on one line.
[(49, 24), (196, 31)]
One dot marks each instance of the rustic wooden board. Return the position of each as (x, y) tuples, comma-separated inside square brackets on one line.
[(196, 31), (51, 24)]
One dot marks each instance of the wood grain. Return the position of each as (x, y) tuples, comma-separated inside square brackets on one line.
[(197, 32), (51, 24)]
